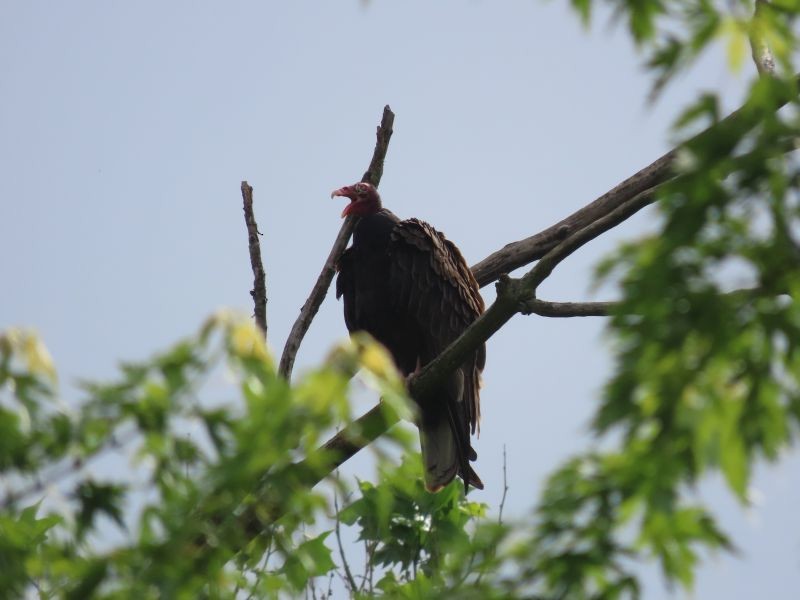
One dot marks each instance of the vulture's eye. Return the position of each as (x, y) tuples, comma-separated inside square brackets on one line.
[(360, 188)]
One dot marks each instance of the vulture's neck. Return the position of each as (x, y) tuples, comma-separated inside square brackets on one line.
[(374, 230)]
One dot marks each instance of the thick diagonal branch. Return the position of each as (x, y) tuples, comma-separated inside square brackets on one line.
[(544, 308), (517, 254), (308, 312)]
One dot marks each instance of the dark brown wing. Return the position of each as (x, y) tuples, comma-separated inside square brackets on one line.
[(430, 281), (438, 297)]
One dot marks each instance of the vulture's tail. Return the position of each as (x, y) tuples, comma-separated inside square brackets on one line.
[(444, 439)]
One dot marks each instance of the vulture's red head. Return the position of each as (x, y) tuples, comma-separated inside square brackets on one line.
[(364, 199)]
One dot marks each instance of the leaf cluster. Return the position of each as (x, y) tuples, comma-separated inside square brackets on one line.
[(674, 34), (215, 496)]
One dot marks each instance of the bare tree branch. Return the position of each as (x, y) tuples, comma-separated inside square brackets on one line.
[(523, 252), (544, 308), (308, 312), (350, 580), (314, 301), (259, 291)]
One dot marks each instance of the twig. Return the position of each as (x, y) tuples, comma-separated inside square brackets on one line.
[(544, 308), (505, 489), (762, 55), (351, 582), (372, 175), (369, 567), (259, 291), (314, 301)]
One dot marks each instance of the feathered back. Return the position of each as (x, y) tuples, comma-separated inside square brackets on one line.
[(411, 288), (434, 287)]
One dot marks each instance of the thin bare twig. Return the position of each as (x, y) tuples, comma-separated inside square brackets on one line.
[(259, 291), (330, 587), (372, 175), (505, 488), (351, 582), (544, 308), (369, 567)]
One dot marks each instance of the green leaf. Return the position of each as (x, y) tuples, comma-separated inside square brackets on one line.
[(311, 558), (584, 8), (98, 498)]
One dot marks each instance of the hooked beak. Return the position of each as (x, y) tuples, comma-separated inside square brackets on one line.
[(347, 192)]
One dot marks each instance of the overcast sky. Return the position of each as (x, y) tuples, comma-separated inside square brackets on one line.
[(127, 127)]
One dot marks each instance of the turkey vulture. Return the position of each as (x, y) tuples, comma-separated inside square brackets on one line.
[(409, 287)]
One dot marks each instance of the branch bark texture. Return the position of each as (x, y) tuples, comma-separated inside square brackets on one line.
[(259, 291), (518, 254)]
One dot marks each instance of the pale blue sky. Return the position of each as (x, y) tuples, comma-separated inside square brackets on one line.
[(126, 128)]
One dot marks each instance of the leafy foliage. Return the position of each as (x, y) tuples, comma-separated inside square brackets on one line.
[(674, 34), (222, 484)]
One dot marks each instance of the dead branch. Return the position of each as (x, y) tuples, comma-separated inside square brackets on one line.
[(308, 312), (543, 308), (259, 291), (518, 254)]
